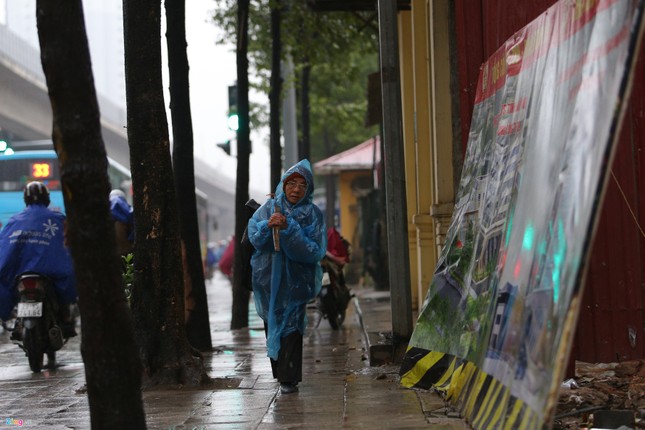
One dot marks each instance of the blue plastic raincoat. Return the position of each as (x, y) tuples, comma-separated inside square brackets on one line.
[(121, 211), (33, 240), (284, 281)]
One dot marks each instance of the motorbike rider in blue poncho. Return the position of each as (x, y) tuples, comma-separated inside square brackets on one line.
[(285, 280), (33, 241)]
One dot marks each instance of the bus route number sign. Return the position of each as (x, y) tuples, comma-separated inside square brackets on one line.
[(40, 170)]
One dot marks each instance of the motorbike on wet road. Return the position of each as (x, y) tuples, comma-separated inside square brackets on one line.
[(37, 329)]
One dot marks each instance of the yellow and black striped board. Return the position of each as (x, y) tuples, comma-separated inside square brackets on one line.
[(483, 401)]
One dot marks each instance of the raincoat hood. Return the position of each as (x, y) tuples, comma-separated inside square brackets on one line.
[(303, 168)]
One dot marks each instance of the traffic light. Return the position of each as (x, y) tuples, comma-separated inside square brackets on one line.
[(233, 120), (226, 146), (4, 147)]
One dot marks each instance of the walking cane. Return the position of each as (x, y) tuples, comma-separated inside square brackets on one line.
[(276, 231)]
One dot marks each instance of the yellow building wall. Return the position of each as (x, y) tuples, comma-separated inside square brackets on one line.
[(441, 119), (427, 133), (406, 65), (425, 164)]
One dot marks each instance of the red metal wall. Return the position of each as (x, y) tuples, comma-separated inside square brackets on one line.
[(482, 26), (614, 299), (611, 326)]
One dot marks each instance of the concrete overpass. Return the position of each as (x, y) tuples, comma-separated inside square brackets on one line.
[(25, 113)]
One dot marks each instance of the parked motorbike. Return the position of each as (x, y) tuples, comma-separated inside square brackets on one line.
[(37, 325), (334, 295)]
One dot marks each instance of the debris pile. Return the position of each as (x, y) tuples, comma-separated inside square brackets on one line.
[(602, 386)]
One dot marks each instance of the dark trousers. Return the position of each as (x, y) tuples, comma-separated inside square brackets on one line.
[(288, 366)]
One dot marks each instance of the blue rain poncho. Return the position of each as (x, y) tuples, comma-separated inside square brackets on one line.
[(284, 281), (33, 240), (121, 211)]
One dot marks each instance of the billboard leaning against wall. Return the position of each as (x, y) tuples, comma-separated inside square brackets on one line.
[(495, 328)]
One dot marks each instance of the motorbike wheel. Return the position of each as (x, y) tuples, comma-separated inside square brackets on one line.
[(341, 298), (338, 320), (334, 315), (33, 343)]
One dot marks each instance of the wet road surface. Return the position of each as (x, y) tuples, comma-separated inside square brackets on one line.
[(339, 389)]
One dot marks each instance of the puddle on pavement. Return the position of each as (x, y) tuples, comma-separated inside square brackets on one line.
[(214, 384), (222, 383), (376, 371)]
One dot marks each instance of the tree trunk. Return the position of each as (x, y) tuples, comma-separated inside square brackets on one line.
[(275, 96), (158, 293), (305, 141), (112, 366), (197, 324), (240, 311)]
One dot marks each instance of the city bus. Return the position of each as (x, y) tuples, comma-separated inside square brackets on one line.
[(21, 167)]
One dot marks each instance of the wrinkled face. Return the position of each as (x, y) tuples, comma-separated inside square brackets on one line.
[(295, 189)]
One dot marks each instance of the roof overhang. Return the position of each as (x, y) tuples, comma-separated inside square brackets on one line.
[(365, 156)]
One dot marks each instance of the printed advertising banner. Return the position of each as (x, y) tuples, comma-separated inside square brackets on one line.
[(495, 329)]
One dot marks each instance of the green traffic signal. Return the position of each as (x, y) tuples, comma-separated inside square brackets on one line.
[(233, 121)]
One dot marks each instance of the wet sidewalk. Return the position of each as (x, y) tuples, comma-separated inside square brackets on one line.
[(339, 390)]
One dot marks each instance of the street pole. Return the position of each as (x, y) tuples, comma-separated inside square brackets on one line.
[(395, 193)]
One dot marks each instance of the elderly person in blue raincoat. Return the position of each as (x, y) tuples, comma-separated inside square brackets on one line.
[(285, 280)]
